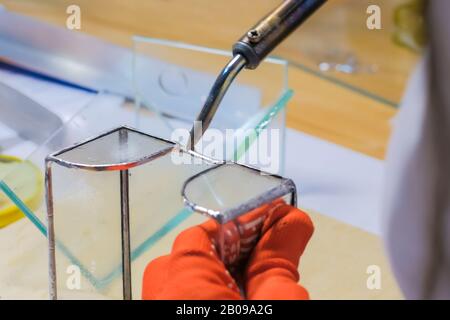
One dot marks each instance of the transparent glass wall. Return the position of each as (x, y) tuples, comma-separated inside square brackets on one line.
[(174, 79)]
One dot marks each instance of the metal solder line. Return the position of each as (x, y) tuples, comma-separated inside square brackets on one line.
[(125, 223), (216, 94)]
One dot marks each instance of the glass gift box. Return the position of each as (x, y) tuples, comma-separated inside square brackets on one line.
[(255, 101)]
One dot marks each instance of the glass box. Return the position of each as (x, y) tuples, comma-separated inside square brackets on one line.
[(114, 204)]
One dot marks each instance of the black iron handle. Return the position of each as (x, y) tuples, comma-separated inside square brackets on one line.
[(260, 40)]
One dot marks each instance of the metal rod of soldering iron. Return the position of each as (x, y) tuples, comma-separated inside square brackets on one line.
[(215, 96), (249, 51)]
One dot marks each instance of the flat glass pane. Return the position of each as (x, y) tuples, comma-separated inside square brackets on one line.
[(175, 79), (157, 211), (228, 186), (87, 232), (118, 147)]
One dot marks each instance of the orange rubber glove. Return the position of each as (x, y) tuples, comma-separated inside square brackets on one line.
[(198, 268)]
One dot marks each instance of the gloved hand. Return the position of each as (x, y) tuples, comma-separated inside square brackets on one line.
[(205, 265)]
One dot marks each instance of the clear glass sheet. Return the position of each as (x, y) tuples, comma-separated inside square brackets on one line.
[(118, 147), (228, 186), (157, 212), (87, 228), (174, 79)]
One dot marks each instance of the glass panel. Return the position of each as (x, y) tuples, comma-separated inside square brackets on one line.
[(120, 146), (175, 79), (87, 228), (157, 212), (228, 186)]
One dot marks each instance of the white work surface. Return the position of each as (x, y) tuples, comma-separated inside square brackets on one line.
[(331, 180)]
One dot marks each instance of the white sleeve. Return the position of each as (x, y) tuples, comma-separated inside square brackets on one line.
[(417, 200)]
